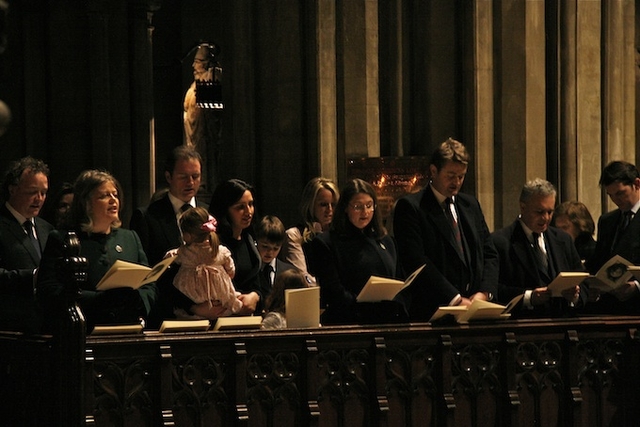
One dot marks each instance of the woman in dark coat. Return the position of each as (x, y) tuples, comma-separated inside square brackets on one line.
[(343, 259)]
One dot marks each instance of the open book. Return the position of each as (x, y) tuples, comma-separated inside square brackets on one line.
[(384, 289), (302, 307), (566, 280), (478, 310), (614, 273), (129, 274)]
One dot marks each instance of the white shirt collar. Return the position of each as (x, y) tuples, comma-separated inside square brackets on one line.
[(439, 196), (21, 219), (177, 203)]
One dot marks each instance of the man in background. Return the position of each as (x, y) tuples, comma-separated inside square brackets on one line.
[(532, 254), (23, 237), (619, 234), (157, 224)]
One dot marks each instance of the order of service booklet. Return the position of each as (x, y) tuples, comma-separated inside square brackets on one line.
[(384, 289), (478, 310), (614, 273), (129, 274), (566, 280), (302, 307)]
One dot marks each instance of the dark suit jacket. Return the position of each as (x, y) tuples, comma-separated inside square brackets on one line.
[(157, 227), (628, 247), (265, 287), (342, 265), (423, 234), (518, 271), (18, 260)]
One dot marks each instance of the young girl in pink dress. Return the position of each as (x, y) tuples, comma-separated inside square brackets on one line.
[(206, 266)]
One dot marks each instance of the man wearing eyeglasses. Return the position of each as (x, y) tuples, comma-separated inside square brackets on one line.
[(446, 230)]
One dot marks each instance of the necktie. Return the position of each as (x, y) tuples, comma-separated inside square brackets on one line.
[(185, 207), (541, 255), (626, 219), (448, 210), (623, 223), (28, 226), (267, 270)]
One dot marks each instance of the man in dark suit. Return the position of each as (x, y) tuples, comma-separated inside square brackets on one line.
[(532, 253), (619, 234), (23, 237), (270, 235), (445, 230), (157, 224)]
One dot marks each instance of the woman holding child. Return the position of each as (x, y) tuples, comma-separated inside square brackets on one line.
[(232, 205)]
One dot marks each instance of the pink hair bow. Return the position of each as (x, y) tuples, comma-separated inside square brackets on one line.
[(210, 225)]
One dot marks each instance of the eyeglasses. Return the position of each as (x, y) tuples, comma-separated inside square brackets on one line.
[(359, 208), (105, 196)]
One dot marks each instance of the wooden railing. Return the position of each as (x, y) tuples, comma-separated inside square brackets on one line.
[(518, 373), (561, 372)]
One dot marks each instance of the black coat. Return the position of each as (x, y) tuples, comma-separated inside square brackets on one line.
[(423, 234), (518, 271), (628, 247), (342, 264), (18, 261), (157, 228)]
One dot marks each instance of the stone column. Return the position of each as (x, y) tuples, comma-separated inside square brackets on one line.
[(520, 130), (358, 77), (327, 151), (480, 99), (142, 129)]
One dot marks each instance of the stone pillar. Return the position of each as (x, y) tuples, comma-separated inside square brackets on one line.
[(398, 78), (581, 151), (520, 130), (480, 99), (327, 151), (142, 129), (618, 91), (358, 77)]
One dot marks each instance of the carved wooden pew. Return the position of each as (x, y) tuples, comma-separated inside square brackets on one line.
[(512, 373), (558, 372)]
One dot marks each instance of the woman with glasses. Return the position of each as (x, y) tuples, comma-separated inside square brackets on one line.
[(95, 218), (356, 247), (317, 206)]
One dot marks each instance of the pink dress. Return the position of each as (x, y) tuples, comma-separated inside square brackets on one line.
[(203, 278)]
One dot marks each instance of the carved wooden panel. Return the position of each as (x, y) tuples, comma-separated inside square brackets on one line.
[(568, 372), (123, 393), (476, 385)]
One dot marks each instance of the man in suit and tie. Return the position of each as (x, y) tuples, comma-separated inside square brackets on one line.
[(23, 237), (270, 235), (619, 234), (446, 230), (532, 253), (157, 224)]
